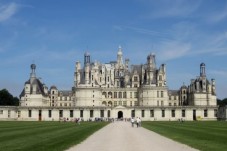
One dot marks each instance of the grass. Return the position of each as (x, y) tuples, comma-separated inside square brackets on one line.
[(44, 136), (206, 136)]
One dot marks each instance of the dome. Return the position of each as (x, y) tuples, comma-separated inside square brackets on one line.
[(53, 87), (202, 64)]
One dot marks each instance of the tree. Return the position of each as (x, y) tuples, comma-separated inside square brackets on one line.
[(222, 102), (7, 99)]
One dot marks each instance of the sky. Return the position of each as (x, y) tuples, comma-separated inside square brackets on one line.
[(54, 34)]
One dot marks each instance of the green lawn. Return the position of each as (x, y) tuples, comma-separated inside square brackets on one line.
[(206, 136), (44, 136)]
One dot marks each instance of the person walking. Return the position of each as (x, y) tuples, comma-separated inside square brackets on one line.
[(137, 122), (132, 121)]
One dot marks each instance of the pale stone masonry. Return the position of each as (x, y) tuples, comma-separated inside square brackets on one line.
[(116, 90)]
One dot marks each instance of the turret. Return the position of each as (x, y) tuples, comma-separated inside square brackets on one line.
[(202, 70), (32, 74)]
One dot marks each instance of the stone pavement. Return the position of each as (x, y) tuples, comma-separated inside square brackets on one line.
[(120, 136)]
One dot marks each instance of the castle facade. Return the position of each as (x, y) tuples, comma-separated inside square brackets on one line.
[(116, 90)]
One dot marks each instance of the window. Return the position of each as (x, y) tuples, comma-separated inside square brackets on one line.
[(132, 113), (157, 103), (136, 103), (124, 95), (183, 113), (205, 113), (115, 94), (135, 95), (120, 94), (115, 103), (9, 113), (108, 113), (19, 113), (162, 95), (215, 112), (91, 113), (175, 97), (49, 113), (135, 85), (135, 78), (173, 113), (29, 113), (158, 94), (151, 113), (124, 103), (71, 113), (101, 113), (60, 113), (130, 103), (130, 94), (162, 103), (163, 113), (142, 113), (1, 111), (170, 104), (120, 102), (81, 113), (160, 77)]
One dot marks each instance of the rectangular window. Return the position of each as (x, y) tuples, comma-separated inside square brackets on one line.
[(151, 113), (215, 112), (130, 94), (162, 103), (115, 94), (162, 94), (115, 103), (101, 113), (1, 111), (91, 113), (142, 113), (71, 113), (124, 103), (120, 94), (125, 95), (135, 95), (81, 113), (60, 113), (158, 94), (163, 113), (130, 103), (136, 79), (132, 113), (50, 113), (183, 113), (108, 113), (9, 113), (205, 113), (136, 103), (29, 113), (173, 113), (157, 103), (19, 113), (120, 102)]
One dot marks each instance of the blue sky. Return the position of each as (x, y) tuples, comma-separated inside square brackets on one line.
[(54, 34)]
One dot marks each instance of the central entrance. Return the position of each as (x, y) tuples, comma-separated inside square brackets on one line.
[(120, 115)]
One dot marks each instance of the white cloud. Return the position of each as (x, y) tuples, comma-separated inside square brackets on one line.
[(173, 50), (7, 11), (174, 8), (218, 16)]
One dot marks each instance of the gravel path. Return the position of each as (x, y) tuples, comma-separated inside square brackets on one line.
[(120, 136)]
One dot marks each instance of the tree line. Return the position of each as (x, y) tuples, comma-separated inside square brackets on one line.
[(8, 99), (222, 102)]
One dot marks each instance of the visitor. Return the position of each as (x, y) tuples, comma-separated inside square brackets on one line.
[(137, 122), (132, 121)]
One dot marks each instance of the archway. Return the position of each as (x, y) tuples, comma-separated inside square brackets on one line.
[(120, 115)]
